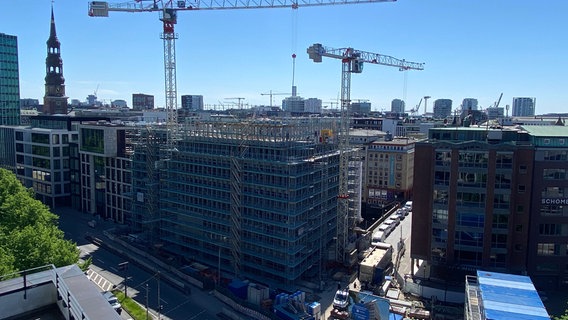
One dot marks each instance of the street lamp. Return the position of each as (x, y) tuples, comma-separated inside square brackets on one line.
[(124, 266)]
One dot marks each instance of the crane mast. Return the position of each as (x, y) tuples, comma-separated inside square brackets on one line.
[(169, 18), (351, 62)]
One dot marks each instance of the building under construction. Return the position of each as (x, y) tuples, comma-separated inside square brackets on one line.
[(255, 198)]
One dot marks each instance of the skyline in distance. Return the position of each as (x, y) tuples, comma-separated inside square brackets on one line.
[(470, 50)]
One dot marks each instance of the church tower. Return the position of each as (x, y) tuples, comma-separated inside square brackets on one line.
[(54, 101)]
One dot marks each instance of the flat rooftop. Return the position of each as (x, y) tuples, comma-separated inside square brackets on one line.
[(506, 296)]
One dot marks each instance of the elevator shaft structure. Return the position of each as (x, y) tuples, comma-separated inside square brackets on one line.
[(351, 62)]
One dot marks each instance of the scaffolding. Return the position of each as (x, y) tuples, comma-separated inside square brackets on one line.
[(258, 197), (148, 163)]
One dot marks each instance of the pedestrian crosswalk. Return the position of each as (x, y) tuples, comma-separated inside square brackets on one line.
[(99, 280)]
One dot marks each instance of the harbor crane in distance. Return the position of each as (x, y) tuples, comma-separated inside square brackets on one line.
[(352, 62), (414, 111), (168, 10)]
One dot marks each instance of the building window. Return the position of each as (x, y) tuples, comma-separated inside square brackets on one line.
[(521, 188), (504, 160), (546, 141), (556, 155), (545, 249), (440, 196), (520, 209), (552, 192), (523, 169), (498, 241), (519, 228), (442, 178), (470, 199), (553, 229), (554, 210), (554, 174), (518, 247)]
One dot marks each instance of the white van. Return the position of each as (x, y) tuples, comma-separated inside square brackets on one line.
[(392, 221), (408, 205), (378, 237)]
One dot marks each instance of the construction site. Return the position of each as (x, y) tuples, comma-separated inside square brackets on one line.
[(256, 197), (274, 200)]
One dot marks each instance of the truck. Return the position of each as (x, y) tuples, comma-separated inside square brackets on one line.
[(374, 268)]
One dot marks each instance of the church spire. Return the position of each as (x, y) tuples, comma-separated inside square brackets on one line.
[(54, 100), (53, 41)]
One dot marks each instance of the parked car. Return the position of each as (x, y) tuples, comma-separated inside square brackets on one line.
[(341, 299), (113, 300), (408, 205)]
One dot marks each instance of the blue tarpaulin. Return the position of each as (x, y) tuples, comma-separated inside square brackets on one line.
[(507, 296)]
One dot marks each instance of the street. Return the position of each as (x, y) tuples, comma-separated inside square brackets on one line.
[(175, 304)]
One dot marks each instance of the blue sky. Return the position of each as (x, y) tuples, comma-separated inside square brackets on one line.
[(476, 49)]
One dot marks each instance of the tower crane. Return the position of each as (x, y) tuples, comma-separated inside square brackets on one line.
[(168, 15), (169, 10), (274, 94), (239, 101), (352, 62)]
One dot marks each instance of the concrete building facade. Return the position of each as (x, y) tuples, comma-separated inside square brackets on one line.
[(106, 182), (442, 108), (469, 104), (524, 107), (142, 101), (397, 106), (192, 102), (9, 81), (312, 105), (389, 169)]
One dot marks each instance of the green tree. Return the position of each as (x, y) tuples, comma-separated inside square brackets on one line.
[(29, 235), (563, 317)]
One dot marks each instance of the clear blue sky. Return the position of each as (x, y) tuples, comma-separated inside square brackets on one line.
[(471, 48)]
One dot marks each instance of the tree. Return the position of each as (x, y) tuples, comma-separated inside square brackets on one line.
[(29, 235), (563, 317)]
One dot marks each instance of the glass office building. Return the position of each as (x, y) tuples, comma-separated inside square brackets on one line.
[(9, 80)]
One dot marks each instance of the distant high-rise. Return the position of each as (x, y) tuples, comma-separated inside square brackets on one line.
[(312, 105), (9, 81), (293, 104), (142, 101), (442, 108), (469, 104), (397, 106), (192, 102), (524, 107), (361, 107), (54, 101)]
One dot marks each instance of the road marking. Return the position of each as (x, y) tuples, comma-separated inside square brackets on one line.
[(114, 269)]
